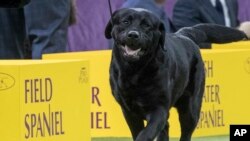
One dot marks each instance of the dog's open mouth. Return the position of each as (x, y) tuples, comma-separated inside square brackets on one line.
[(129, 52)]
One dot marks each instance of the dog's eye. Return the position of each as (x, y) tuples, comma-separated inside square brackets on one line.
[(145, 25), (126, 22)]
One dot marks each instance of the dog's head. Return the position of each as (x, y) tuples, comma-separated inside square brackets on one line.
[(136, 32)]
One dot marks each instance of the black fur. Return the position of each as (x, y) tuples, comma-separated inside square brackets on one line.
[(166, 72)]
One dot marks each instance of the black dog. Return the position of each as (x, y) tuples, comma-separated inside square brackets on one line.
[(152, 71)]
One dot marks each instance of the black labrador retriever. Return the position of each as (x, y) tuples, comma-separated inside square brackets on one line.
[(152, 71)]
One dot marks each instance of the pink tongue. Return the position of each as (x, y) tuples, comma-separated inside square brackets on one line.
[(130, 51)]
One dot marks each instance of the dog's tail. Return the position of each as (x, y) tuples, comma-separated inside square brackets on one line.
[(212, 33)]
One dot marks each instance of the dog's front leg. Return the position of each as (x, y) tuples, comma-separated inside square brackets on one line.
[(156, 122), (134, 122)]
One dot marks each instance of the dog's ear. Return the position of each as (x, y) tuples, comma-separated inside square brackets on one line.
[(110, 25), (163, 32), (108, 29)]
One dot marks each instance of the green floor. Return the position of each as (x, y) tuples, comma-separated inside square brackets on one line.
[(217, 138)]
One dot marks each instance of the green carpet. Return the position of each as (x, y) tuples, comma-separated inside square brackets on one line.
[(216, 138)]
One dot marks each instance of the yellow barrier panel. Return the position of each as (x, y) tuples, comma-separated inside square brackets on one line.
[(227, 91), (106, 116), (44, 100), (234, 45), (225, 99)]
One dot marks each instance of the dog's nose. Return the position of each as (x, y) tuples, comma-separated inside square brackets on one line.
[(133, 34)]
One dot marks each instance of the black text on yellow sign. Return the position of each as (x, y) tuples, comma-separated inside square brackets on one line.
[(49, 123), (99, 119), (214, 115)]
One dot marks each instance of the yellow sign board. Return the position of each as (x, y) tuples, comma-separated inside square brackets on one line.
[(234, 45), (227, 91), (44, 100), (106, 116), (224, 101)]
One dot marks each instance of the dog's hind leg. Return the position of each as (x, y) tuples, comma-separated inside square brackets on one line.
[(189, 105), (188, 116)]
